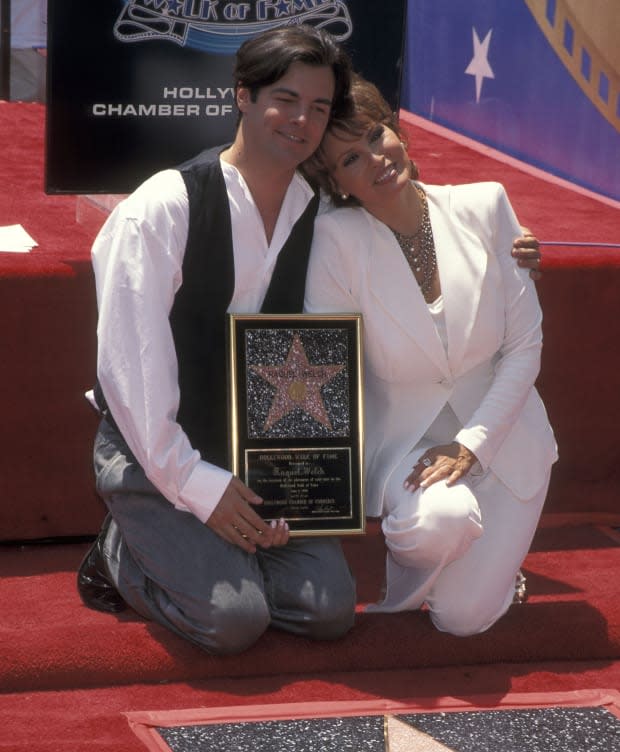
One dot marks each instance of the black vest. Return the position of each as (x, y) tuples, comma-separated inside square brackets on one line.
[(198, 316)]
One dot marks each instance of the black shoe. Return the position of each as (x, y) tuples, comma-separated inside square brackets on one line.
[(93, 582)]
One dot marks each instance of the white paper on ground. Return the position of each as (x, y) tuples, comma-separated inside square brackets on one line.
[(14, 239)]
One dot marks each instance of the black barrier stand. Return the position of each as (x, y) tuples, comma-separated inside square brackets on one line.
[(5, 49)]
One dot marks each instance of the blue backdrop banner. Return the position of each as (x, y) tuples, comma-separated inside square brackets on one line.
[(537, 79)]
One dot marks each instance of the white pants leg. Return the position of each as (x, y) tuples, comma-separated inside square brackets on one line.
[(424, 532), (472, 593), (456, 548)]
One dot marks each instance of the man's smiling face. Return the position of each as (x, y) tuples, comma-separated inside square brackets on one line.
[(288, 118)]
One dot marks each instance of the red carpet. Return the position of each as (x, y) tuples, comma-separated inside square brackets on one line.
[(52, 642), (68, 674)]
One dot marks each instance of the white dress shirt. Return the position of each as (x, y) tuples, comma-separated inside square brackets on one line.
[(138, 258)]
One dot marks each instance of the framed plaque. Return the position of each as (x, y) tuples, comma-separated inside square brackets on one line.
[(296, 412)]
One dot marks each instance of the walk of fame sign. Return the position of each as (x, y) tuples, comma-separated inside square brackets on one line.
[(296, 417)]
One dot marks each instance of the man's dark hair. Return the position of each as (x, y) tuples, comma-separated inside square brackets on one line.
[(265, 58)]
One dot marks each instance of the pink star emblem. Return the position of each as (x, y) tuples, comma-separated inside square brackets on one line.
[(298, 385)]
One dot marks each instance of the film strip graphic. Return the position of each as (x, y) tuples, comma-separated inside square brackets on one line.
[(596, 75)]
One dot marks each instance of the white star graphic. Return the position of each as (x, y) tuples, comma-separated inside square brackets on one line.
[(479, 65)]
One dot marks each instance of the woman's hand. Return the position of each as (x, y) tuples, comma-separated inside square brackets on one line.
[(526, 250), (447, 462), (280, 532)]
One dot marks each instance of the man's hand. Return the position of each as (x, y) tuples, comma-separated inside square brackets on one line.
[(234, 520), (448, 462), (526, 250)]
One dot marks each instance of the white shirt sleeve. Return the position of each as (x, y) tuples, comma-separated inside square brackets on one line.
[(137, 258)]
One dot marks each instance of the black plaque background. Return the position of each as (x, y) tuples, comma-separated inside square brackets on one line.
[(334, 462), (354, 520), (88, 65)]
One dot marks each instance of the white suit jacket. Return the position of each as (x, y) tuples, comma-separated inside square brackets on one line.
[(494, 335)]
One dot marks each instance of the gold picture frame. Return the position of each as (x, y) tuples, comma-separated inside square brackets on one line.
[(296, 418)]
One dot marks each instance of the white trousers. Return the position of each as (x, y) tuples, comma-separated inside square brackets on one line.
[(456, 549)]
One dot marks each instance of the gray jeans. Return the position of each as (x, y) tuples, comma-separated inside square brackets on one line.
[(172, 569)]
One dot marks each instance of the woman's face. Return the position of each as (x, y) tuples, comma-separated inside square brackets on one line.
[(373, 168)]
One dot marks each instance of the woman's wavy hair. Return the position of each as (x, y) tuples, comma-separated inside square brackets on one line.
[(365, 107)]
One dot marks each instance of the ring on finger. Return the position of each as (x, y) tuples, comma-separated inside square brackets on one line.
[(426, 462)]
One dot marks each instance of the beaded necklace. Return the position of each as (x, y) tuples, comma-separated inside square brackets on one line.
[(419, 248)]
